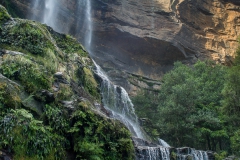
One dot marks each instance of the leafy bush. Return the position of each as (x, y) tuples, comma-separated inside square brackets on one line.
[(69, 45), (27, 71), (101, 134), (29, 138), (26, 35), (187, 107)]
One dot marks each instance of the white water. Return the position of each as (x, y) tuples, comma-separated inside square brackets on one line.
[(116, 100), (88, 22), (156, 153), (195, 154), (50, 13), (163, 143)]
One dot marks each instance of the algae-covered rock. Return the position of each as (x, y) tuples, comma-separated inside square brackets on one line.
[(47, 96)]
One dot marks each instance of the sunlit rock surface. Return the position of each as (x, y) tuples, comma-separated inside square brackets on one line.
[(145, 37)]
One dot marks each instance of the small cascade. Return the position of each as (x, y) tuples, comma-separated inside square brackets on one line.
[(153, 153), (117, 101), (163, 143), (186, 153)]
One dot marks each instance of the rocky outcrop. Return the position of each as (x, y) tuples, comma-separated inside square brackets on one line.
[(48, 96), (145, 37)]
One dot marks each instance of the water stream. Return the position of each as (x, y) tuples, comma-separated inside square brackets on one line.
[(115, 98), (117, 101)]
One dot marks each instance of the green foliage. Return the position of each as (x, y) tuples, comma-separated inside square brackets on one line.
[(9, 96), (56, 128), (221, 155), (90, 83), (27, 71), (70, 45), (4, 16), (90, 129), (187, 107), (231, 93), (57, 119), (88, 151), (26, 35), (235, 142), (28, 137), (11, 8)]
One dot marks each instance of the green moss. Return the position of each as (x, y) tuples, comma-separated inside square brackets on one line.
[(31, 75), (104, 134), (9, 95), (12, 9), (4, 16), (65, 92), (69, 45), (90, 83), (58, 128), (29, 138), (27, 35)]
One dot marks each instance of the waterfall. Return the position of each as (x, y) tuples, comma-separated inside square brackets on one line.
[(50, 13), (190, 153), (115, 98), (117, 101), (163, 143), (154, 153), (88, 22)]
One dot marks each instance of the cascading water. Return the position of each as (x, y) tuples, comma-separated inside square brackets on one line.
[(88, 22), (50, 13), (190, 153), (163, 143), (115, 98)]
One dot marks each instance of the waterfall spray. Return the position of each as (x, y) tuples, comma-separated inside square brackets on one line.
[(50, 13)]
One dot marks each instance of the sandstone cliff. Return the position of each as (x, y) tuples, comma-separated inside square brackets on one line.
[(145, 37)]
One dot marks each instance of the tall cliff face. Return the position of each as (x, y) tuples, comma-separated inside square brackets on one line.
[(145, 37)]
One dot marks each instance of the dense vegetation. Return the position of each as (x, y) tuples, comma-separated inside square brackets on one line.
[(47, 97), (197, 106)]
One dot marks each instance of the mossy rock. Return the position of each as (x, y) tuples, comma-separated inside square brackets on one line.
[(31, 55), (4, 16), (9, 93), (31, 75), (90, 84)]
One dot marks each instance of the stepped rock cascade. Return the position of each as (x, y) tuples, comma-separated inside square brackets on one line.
[(190, 153)]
